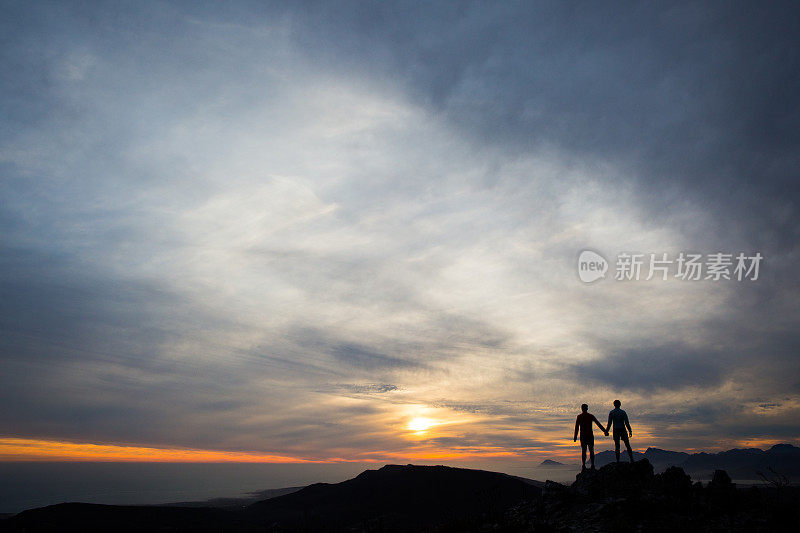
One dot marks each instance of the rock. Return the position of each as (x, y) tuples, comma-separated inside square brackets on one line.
[(721, 479), (552, 487), (616, 479), (721, 491), (674, 484)]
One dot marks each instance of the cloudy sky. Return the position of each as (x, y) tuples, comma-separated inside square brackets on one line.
[(317, 232)]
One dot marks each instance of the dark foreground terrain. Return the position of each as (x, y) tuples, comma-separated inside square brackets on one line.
[(625, 497)]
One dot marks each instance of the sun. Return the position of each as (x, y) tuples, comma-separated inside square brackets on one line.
[(420, 423)]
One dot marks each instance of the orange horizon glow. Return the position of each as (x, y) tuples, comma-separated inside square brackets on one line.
[(14, 449), (18, 449)]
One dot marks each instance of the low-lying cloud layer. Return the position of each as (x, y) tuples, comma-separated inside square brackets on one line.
[(296, 230)]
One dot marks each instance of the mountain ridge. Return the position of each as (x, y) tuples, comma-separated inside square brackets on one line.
[(741, 463)]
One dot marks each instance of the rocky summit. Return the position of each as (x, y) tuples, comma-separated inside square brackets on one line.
[(630, 497)]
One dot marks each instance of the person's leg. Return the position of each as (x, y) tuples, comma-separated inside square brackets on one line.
[(583, 454), (591, 454), (628, 446), (616, 445)]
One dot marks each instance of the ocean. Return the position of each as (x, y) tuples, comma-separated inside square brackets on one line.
[(25, 485)]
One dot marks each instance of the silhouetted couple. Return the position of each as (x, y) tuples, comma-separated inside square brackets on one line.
[(621, 430)]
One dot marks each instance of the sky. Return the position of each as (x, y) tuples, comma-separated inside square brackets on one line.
[(350, 231)]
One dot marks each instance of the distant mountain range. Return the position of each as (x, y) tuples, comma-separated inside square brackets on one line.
[(739, 463)]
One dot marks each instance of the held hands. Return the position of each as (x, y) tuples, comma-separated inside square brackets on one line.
[(606, 432)]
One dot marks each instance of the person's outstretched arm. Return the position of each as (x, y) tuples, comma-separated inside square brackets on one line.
[(596, 421), (575, 436), (608, 427), (628, 425)]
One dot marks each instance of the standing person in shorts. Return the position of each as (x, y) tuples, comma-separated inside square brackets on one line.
[(622, 427), (584, 423)]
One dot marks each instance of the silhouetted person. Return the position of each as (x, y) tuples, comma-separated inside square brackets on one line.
[(622, 427), (584, 423)]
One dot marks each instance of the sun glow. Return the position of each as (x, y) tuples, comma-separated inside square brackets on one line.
[(421, 424)]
